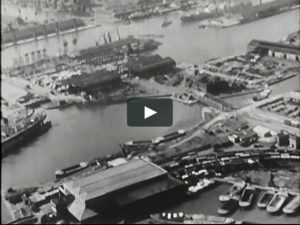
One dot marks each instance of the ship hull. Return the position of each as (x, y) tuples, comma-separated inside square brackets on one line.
[(34, 130), (197, 17)]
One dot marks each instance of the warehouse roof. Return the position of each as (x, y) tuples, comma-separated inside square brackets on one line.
[(113, 179), (276, 46), (146, 63), (92, 79)]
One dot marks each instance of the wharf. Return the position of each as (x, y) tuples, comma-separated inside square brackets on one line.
[(233, 181)]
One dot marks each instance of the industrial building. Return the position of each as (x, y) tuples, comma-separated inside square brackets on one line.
[(147, 66), (111, 189), (274, 49), (102, 79), (34, 31)]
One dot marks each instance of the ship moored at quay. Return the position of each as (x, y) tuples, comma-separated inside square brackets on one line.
[(230, 204), (12, 137)]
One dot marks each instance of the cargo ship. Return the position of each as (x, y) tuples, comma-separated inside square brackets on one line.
[(197, 17), (12, 137), (71, 170), (181, 218)]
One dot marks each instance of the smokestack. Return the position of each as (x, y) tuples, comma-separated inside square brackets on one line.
[(118, 34), (109, 37), (27, 60), (105, 41), (33, 58), (44, 53), (39, 56)]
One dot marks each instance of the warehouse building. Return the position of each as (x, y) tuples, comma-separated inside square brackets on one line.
[(117, 187), (274, 49), (147, 66), (102, 80)]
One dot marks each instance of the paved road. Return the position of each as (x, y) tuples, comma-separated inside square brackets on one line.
[(227, 115)]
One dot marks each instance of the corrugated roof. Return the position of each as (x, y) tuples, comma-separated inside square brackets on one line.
[(146, 63), (92, 79), (276, 46), (113, 179)]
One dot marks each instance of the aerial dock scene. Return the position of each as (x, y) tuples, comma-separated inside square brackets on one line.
[(232, 71)]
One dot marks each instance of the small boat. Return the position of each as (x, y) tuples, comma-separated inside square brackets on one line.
[(201, 26), (166, 23), (58, 104), (181, 218), (247, 196), (277, 202), (262, 95), (184, 98), (265, 199), (236, 189), (74, 41), (200, 186), (229, 207), (70, 170), (293, 206)]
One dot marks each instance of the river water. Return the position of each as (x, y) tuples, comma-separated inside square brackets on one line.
[(84, 132)]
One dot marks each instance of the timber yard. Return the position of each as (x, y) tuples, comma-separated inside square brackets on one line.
[(231, 69)]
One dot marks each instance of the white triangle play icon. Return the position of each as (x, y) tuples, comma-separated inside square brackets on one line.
[(148, 112)]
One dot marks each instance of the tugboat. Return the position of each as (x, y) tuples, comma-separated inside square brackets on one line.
[(236, 189), (201, 26), (265, 199), (70, 170), (229, 206), (277, 202), (292, 207), (59, 104), (200, 186), (262, 95), (247, 197), (181, 218), (166, 23)]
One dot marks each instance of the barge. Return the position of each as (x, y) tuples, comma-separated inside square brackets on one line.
[(229, 207), (265, 199), (247, 197), (71, 170), (277, 202), (293, 206), (236, 189)]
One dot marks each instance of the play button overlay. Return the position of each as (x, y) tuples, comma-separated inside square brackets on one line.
[(149, 112)]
